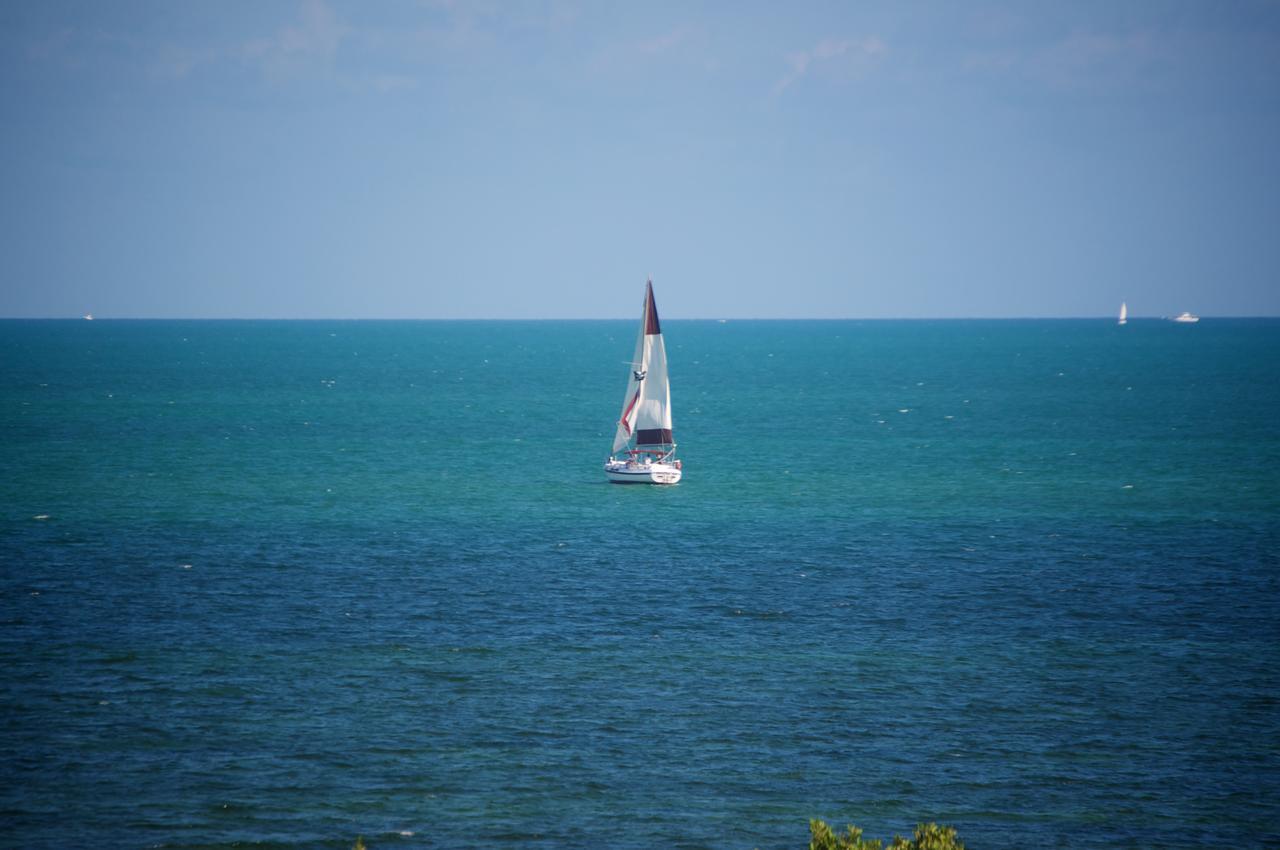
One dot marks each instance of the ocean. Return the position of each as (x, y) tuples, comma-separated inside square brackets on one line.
[(280, 584)]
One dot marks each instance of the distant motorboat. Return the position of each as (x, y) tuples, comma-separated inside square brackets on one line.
[(1186, 318), (88, 317), (1124, 314)]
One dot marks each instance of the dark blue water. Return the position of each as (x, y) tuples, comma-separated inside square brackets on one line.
[(278, 584)]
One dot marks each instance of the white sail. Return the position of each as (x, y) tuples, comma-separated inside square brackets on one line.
[(1124, 313), (631, 400), (646, 406)]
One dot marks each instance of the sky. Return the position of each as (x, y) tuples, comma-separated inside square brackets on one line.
[(541, 159)]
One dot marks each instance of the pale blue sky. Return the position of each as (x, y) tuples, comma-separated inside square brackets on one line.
[(539, 159)]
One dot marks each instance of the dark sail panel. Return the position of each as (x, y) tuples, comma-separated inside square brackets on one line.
[(651, 326), (654, 437)]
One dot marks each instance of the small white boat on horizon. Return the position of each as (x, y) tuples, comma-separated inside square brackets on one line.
[(1124, 314), (1186, 318), (88, 317), (644, 449)]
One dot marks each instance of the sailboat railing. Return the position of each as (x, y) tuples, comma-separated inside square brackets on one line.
[(663, 453)]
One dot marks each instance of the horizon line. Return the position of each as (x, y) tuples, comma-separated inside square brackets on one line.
[(612, 318)]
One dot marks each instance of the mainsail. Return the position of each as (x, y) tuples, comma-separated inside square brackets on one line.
[(646, 408)]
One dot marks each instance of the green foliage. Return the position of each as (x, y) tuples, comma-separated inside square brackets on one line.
[(928, 836), (821, 837), (931, 836)]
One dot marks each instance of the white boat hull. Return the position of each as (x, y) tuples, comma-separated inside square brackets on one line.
[(642, 473)]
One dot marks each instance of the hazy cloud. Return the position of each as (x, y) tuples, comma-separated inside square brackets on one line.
[(828, 52), (305, 45), (685, 46), (394, 82), (1094, 61), (315, 38), (179, 61), (1094, 56), (664, 42)]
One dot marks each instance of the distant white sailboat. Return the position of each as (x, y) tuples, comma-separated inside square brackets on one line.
[(1124, 314), (644, 449), (1186, 318)]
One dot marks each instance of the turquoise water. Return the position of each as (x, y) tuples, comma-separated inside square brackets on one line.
[(278, 584)]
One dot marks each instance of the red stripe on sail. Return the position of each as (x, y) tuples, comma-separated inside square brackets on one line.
[(651, 325), (626, 414)]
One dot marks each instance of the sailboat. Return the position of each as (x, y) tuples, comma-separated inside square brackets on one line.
[(1124, 314), (644, 449)]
